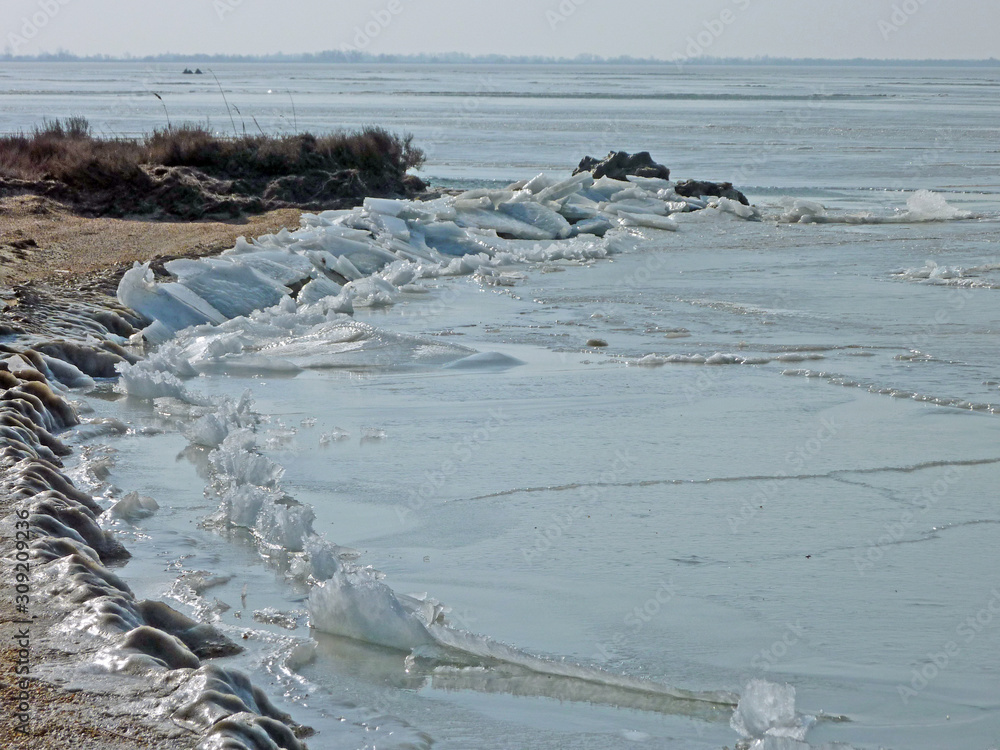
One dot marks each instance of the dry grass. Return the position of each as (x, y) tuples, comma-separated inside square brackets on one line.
[(372, 150), (69, 153)]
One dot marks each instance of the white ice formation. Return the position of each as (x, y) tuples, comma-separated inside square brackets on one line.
[(371, 255), (767, 710), (921, 206), (55, 525), (284, 303)]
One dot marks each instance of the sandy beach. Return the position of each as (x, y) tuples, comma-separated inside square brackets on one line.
[(41, 239)]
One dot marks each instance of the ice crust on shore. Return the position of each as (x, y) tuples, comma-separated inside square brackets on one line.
[(282, 302), (848, 382), (347, 598), (337, 261), (721, 358), (369, 256), (375, 256), (351, 600), (984, 276), (372, 255), (69, 553)]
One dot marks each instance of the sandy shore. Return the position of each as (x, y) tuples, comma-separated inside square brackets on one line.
[(41, 240), (48, 253)]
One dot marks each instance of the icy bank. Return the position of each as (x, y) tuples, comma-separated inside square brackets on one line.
[(59, 539), (282, 303), (371, 255), (376, 254), (351, 600)]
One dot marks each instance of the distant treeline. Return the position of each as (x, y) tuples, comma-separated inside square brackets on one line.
[(458, 58)]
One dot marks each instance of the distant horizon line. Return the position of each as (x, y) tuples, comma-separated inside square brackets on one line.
[(352, 56)]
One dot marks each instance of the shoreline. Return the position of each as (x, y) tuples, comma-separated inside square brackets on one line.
[(53, 259), (56, 268), (61, 268), (100, 711), (42, 240)]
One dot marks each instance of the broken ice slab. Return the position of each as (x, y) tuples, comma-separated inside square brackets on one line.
[(598, 226), (635, 207), (565, 188), (542, 218), (651, 221), (502, 223)]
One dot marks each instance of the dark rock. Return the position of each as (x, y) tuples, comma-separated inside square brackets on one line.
[(618, 165), (698, 188)]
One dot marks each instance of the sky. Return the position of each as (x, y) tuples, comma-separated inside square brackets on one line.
[(665, 29)]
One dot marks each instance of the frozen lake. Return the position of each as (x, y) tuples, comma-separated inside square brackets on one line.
[(782, 465)]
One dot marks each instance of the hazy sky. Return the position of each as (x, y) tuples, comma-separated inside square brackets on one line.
[(642, 28)]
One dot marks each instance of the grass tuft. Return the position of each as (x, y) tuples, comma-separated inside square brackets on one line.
[(67, 152)]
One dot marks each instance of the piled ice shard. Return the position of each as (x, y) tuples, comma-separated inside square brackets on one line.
[(283, 302), (365, 256)]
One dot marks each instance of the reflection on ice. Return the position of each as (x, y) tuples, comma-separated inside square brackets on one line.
[(383, 666), (354, 604), (485, 361)]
